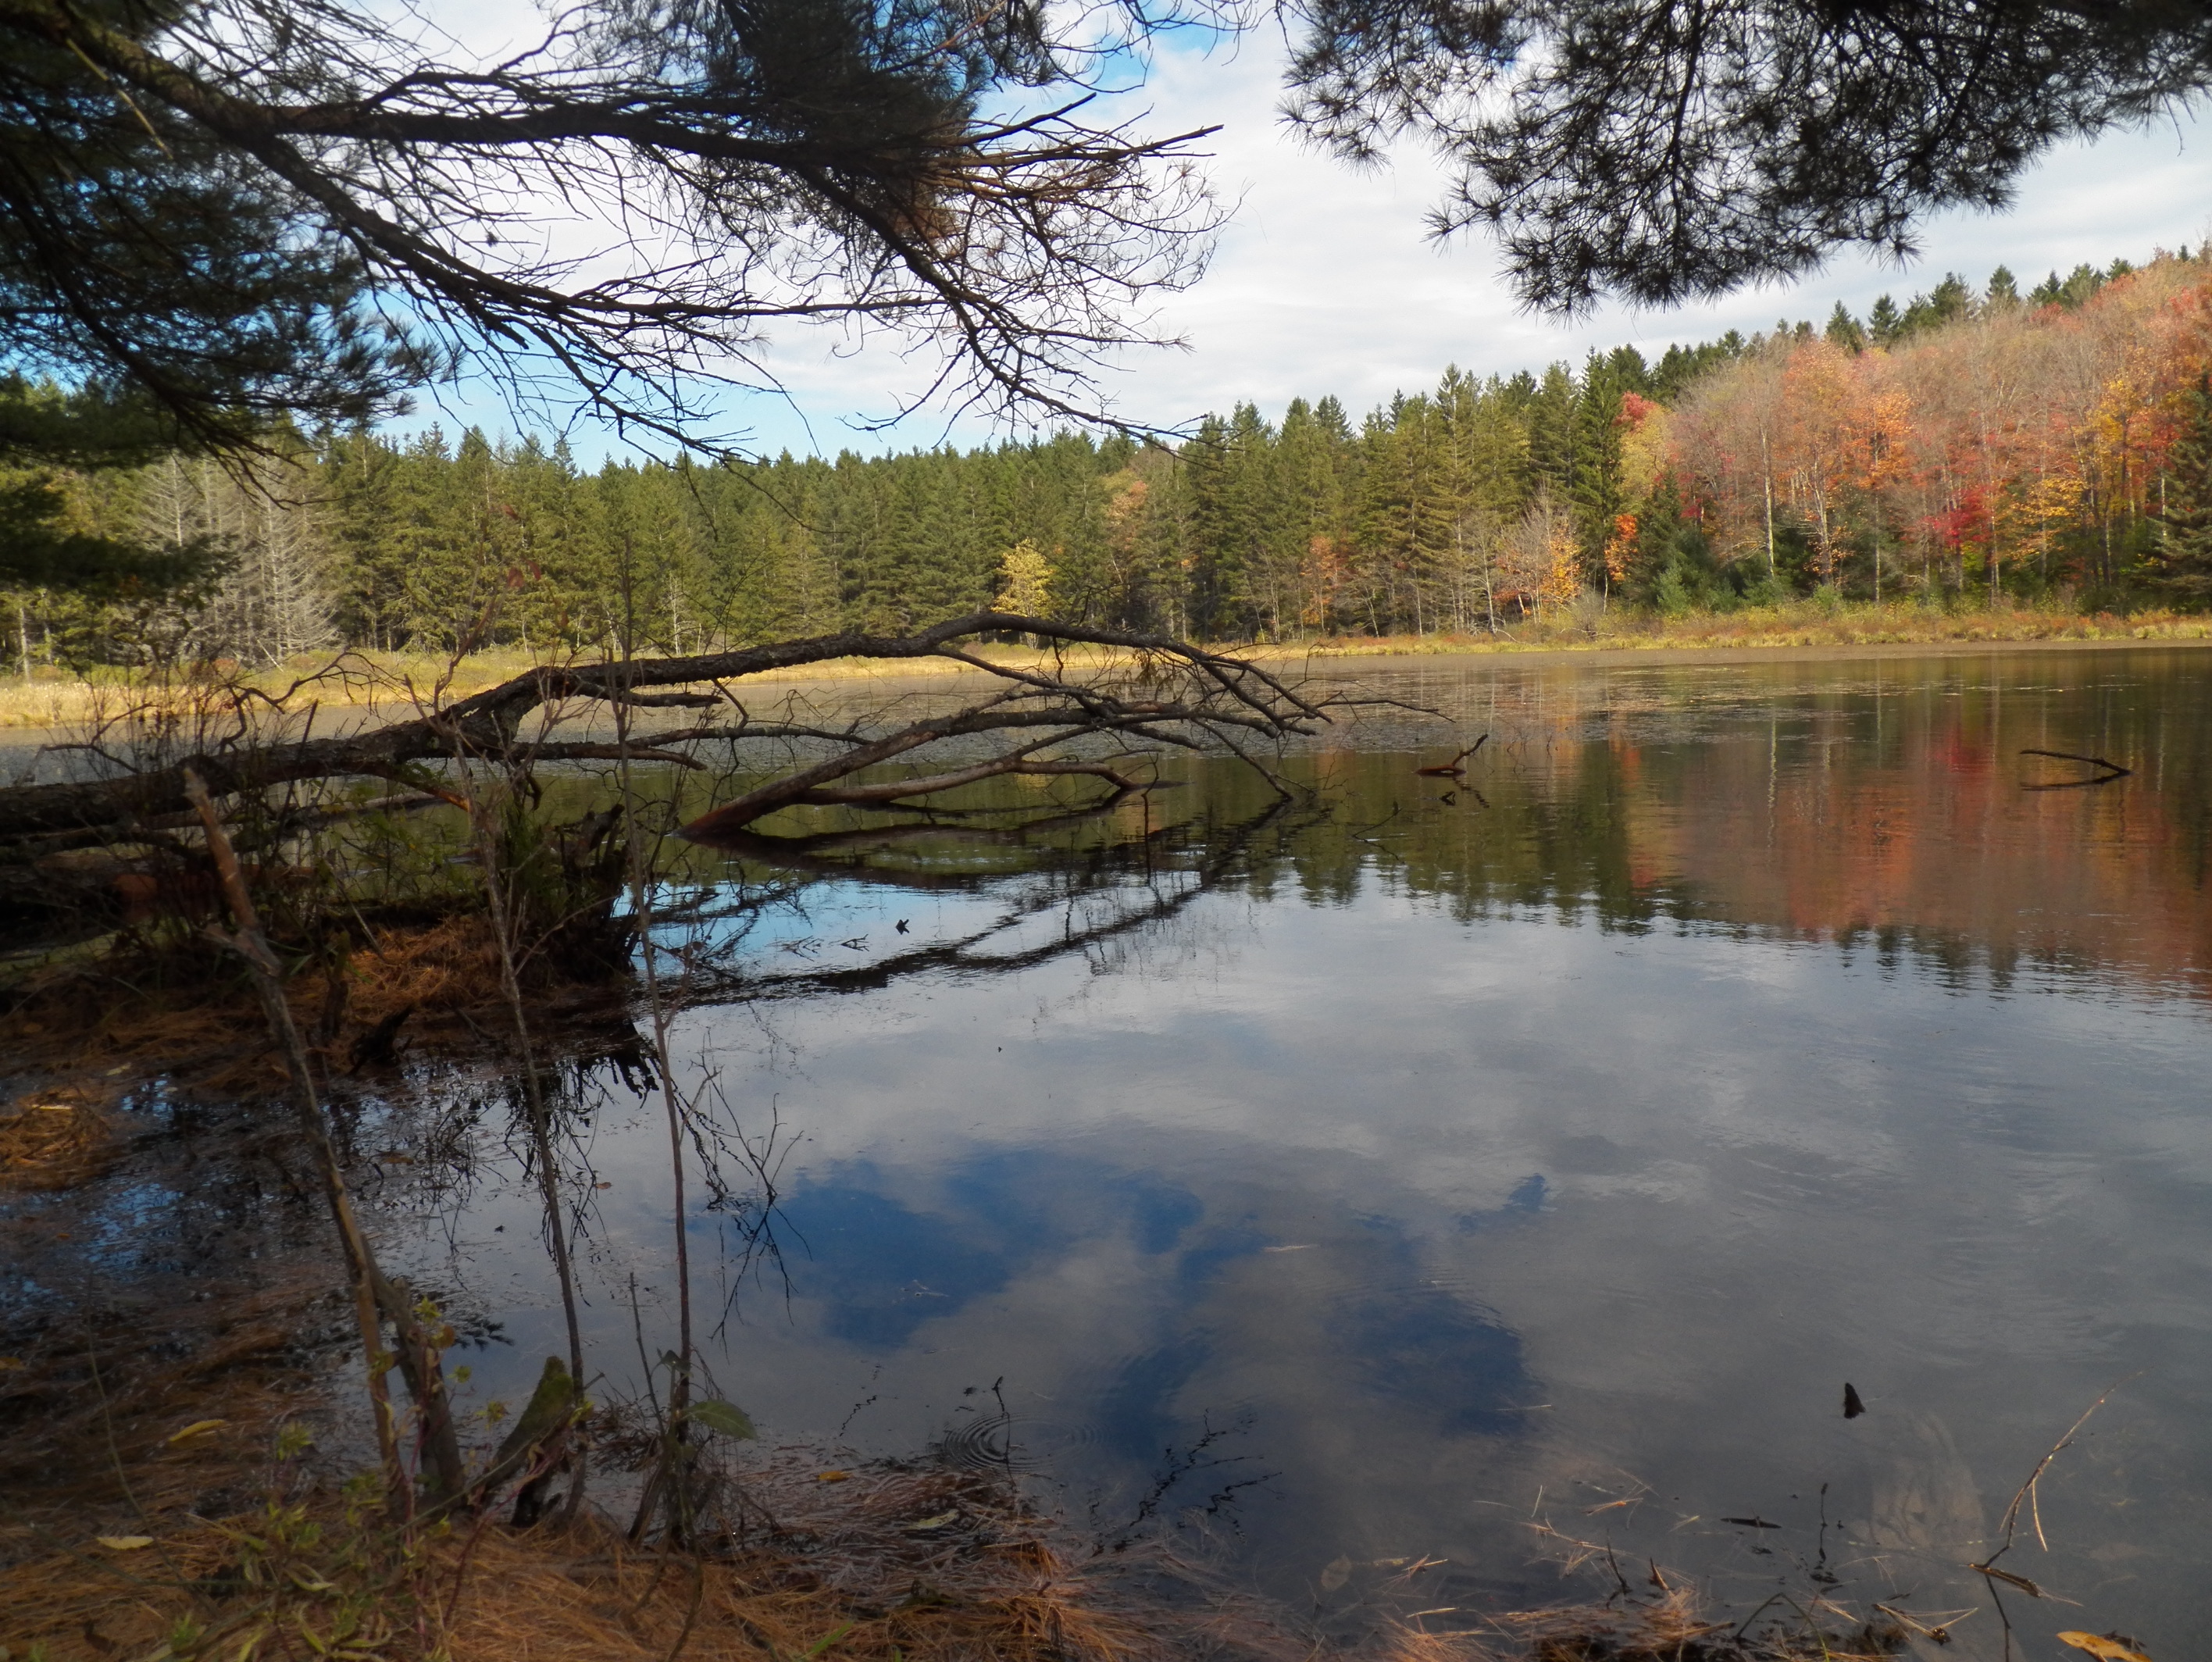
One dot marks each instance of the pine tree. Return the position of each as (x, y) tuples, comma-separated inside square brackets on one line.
[(1595, 489), (1318, 475), (857, 526), (550, 582), (2185, 542), (1551, 419), (2071, 291), (42, 543), (1218, 531), (1949, 302), (805, 587), (1154, 540), (1391, 526), (1070, 471), (1681, 364), (1630, 373)]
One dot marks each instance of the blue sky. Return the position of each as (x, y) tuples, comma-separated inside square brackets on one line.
[(1325, 280)]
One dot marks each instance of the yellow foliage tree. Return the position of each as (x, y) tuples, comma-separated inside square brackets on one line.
[(1563, 576), (1026, 578)]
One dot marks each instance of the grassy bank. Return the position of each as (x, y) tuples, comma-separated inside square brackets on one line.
[(402, 682), (1808, 623)]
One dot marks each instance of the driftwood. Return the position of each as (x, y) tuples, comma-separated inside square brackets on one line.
[(1456, 768), (1151, 691), (2108, 771)]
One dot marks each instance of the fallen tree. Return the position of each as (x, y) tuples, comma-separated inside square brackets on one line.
[(1139, 693)]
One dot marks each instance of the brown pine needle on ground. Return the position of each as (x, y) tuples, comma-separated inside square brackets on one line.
[(866, 1571)]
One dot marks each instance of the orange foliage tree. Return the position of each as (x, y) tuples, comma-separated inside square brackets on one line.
[(2019, 441)]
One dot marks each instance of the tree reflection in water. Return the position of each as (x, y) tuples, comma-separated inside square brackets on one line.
[(1429, 1156)]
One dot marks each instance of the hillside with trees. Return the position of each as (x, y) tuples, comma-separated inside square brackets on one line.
[(1972, 446)]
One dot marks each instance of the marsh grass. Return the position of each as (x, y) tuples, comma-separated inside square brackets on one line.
[(1812, 622), (46, 702), (399, 684)]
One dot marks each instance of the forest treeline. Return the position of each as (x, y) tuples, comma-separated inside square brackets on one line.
[(1972, 444)]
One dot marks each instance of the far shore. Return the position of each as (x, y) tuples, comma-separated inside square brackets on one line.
[(1610, 654), (398, 683)]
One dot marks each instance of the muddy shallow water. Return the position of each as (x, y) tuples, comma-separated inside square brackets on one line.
[(1450, 1162)]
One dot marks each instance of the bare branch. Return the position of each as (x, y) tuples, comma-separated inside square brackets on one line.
[(1147, 690), (625, 208)]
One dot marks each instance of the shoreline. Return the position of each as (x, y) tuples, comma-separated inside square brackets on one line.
[(385, 682), (1610, 655)]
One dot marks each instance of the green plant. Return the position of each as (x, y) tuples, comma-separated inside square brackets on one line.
[(349, 1594)]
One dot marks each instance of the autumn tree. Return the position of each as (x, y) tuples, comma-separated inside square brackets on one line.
[(2009, 448), (1027, 577), (1815, 443)]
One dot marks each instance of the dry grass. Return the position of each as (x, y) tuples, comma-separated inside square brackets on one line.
[(398, 685), (1801, 624), (446, 966), (79, 1020), (392, 686), (44, 702)]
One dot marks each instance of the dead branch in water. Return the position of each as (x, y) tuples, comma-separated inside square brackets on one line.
[(2026, 1494), (376, 1296), (1150, 692), (2113, 770), (1456, 766)]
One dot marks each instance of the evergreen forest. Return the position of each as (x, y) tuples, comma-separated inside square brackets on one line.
[(1976, 447)]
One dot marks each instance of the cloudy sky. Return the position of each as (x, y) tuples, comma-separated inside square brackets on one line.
[(1326, 282)]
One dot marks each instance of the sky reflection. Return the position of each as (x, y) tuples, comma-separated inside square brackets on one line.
[(1434, 1167)]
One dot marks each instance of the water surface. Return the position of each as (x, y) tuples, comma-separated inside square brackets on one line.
[(1414, 1170)]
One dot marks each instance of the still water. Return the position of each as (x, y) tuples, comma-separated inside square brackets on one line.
[(1408, 1171)]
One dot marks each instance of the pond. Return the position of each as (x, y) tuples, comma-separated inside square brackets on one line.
[(1461, 1169)]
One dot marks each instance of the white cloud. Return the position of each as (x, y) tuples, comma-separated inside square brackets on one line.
[(1326, 282)]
